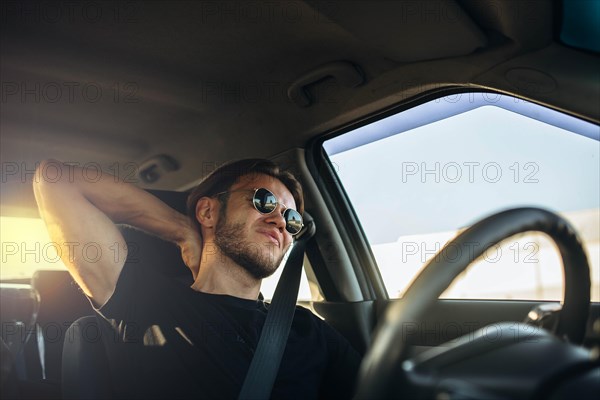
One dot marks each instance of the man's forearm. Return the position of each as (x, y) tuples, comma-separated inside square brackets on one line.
[(121, 202)]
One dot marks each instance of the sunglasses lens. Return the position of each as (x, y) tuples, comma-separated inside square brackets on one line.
[(264, 201), (293, 221)]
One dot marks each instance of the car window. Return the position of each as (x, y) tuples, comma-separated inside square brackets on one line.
[(418, 177), (26, 247)]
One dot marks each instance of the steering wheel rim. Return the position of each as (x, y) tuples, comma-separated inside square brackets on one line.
[(381, 365)]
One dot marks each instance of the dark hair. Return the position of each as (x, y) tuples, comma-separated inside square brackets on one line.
[(224, 177)]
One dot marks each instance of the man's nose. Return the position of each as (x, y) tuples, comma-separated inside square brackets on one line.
[(276, 218)]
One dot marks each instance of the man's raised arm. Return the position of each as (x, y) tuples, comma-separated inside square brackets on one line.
[(81, 213)]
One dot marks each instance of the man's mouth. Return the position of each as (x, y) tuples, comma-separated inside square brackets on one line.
[(273, 237)]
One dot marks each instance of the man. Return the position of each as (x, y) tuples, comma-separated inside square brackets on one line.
[(169, 340)]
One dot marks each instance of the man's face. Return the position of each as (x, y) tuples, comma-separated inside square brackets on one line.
[(255, 241)]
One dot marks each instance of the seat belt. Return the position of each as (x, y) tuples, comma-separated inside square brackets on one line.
[(273, 338)]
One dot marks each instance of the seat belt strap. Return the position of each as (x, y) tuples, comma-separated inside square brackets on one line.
[(273, 339)]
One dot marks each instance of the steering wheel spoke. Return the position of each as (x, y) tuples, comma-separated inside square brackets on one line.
[(545, 316)]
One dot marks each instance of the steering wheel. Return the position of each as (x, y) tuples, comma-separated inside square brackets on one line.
[(385, 368)]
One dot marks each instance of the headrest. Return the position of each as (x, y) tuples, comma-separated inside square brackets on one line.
[(59, 295), (155, 253)]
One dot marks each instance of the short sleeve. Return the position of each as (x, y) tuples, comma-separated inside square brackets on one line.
[(136, 299)]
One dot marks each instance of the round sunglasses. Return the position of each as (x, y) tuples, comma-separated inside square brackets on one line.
[(265, 202)]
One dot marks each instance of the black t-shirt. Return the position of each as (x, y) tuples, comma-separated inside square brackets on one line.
[(166, 340)]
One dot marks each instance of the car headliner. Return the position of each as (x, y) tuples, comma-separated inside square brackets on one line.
[(208, 81)]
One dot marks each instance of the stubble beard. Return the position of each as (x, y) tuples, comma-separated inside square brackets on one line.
[(229, 238)]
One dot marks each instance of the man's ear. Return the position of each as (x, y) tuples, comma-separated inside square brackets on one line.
[(207, 211)]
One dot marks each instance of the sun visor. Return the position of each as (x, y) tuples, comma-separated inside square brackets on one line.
[(407, 31)]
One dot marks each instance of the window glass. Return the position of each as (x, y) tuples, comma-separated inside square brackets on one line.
[(26, 247), (418, 177)]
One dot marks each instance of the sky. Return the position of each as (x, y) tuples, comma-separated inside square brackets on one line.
[(450, 173)]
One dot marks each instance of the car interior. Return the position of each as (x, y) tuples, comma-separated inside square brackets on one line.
[(418, 129)]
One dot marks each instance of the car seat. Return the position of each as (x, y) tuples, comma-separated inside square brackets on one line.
[(61, 303), (85, 367)]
